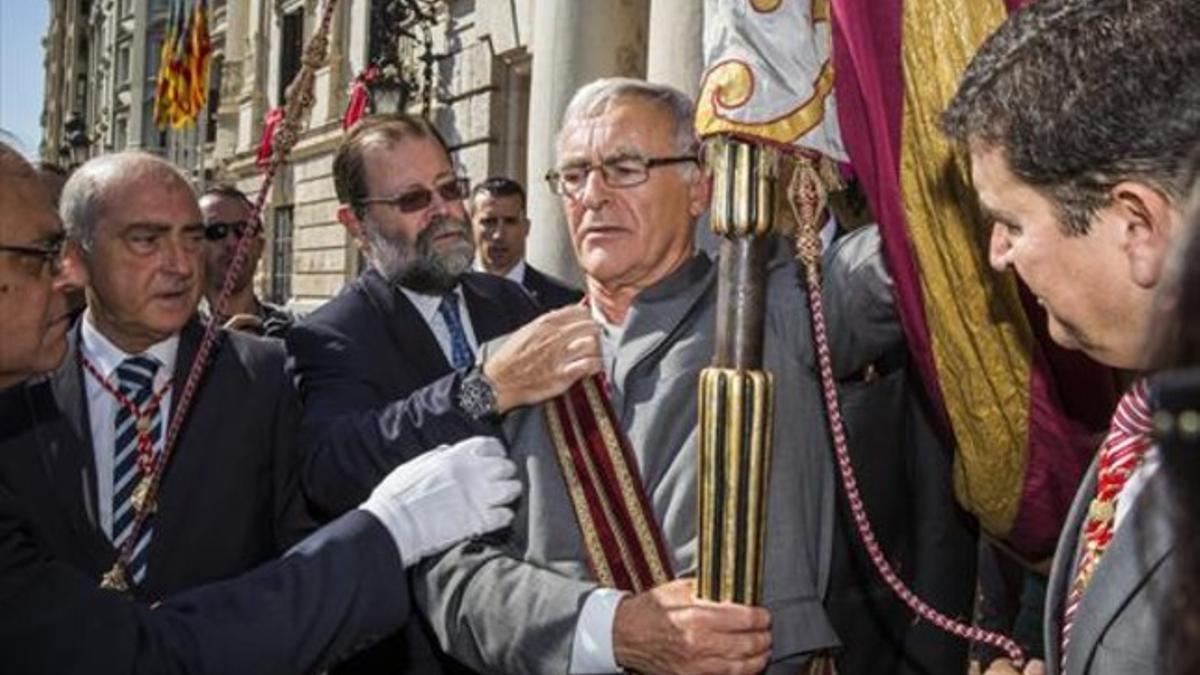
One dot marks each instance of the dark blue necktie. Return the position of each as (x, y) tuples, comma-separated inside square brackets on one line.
[(460, 347), (135, 377)]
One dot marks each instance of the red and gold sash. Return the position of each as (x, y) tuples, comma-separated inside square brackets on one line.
[(624, 543)]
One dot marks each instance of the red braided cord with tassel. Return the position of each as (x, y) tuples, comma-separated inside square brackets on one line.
[(809, 249)]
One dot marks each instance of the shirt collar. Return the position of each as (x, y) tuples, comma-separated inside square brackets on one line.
[(428, 304), (106, 356), (516, 273)]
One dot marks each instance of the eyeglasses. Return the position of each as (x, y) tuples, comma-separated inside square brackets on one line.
[(618, 172), (419, 198), (218, 230), (49, 255)]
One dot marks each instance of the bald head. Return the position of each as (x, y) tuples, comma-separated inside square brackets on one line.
[(20, 192), (100, 183)]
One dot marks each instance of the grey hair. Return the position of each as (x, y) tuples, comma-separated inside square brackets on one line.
[(84, 195), (1080, 95), (597, 97)]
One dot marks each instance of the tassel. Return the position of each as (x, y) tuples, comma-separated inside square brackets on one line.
[(360, 96), (267, 144)]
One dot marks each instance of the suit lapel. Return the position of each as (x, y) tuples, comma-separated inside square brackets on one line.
[(1137, 549), (416, 346), (182, 471), (68, 455), (534, 283), (657, 312), (1063, 566), (482, 304)]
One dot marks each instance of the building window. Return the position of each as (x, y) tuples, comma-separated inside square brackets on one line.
[(123, 65), (290, 49), (215, 67), (281, 256), (121, 133)]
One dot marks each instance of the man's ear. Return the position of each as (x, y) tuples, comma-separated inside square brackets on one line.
[(1149, 219), (349, 219), (700, 193)]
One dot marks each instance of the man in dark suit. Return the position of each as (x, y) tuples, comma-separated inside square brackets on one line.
[(388, 366), (333, 593), (501, 227), (1085, 194), (229, 496)]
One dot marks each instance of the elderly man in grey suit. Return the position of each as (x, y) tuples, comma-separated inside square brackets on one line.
[(1084, 191), (532, 600)]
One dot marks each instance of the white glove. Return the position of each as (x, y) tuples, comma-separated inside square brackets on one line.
[(446, 495)]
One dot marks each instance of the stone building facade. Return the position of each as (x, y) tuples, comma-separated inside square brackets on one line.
[(497, 76), (101, 61)]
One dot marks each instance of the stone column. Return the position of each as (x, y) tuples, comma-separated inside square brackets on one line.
[(676, 53), (573, 43)]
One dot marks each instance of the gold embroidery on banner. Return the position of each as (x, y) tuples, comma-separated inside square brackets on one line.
[(820, 11), (587, 527), (730, 84), (605, 505), (765, 6), (639, 516)]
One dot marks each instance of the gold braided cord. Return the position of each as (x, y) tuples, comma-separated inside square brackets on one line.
[(980, 337)]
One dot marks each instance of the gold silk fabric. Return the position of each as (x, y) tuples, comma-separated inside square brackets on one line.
[(981, 339)]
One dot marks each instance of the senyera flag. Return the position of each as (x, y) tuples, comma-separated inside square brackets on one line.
[(863, 82)]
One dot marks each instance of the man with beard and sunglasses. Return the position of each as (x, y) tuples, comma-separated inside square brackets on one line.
[(393, 364), (229, 216)]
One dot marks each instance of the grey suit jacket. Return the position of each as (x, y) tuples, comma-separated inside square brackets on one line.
[(1119, 626), (510, 603)]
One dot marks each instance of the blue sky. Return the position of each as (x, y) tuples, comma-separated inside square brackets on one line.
[(22, 25)]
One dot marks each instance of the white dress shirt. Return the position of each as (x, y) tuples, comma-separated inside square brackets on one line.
[(515, 274), (102, 405), (427, 306)]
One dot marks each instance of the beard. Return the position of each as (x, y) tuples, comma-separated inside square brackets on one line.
[(420, 266)]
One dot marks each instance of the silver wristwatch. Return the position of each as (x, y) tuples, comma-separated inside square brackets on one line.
[(477, 396)]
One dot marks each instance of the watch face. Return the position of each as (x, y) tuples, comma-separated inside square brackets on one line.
[(476, 397)]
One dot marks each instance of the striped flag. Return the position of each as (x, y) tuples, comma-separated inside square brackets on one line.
[(199, 58), (164, 89)]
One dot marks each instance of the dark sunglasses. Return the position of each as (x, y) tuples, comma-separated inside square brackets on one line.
[(419, 198), (217, 231)]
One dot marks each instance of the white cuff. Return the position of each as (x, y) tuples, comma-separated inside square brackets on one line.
[(592, 648)]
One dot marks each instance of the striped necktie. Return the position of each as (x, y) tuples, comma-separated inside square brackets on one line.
[(135, 377), (1126, 444), (460, 348)]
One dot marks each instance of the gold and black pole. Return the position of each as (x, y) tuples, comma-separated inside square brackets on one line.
[(736, 394)]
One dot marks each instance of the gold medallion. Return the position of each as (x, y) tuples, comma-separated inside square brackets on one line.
[(114, 579), (144, 424), (141, 497), (1102, 510)]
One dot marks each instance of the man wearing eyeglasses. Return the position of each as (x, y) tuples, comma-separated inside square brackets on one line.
[(392, 365), (501, 227), (229, 494), (228, 217), (539, 598), (335, 591)]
